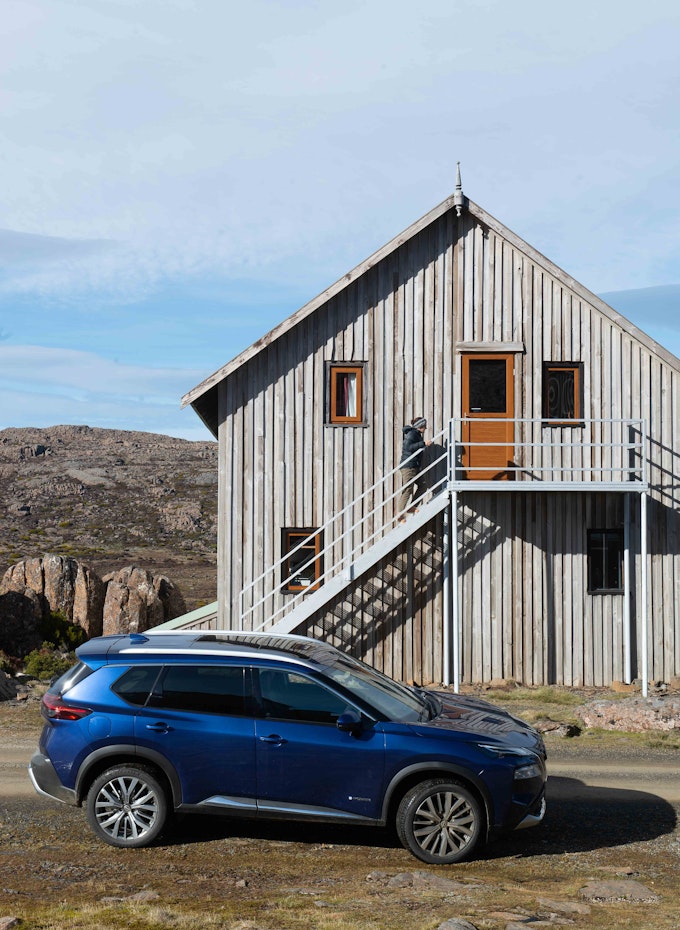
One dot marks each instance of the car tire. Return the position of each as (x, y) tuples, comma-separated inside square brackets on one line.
[(440, 821), (127, 806)]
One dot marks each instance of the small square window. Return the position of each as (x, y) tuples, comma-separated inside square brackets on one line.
[(605, 561), (302, 564), (563, 391), (345, 393)]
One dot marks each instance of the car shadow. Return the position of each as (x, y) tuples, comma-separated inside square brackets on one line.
[(202, 828), (583, 818), (579, 818)]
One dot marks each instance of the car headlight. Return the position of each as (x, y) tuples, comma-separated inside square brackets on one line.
[(528, 771), (503, 752)]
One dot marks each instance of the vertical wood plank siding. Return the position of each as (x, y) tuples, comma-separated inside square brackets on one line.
[(523, 600)]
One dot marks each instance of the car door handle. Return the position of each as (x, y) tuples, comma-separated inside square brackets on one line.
[(159, 727), (274, 739)]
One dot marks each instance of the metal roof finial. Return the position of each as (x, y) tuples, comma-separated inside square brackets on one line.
[(458, 197)]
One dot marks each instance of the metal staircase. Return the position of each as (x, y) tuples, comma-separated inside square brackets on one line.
[(363, 541)]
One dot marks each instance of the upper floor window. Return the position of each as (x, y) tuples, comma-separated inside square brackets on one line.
[(605, 561), (302, 564), (345, 393), (563, 391)]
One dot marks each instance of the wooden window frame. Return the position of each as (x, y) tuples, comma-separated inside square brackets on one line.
[(333, 370), (301, 533), (607, 536), (577, 370)]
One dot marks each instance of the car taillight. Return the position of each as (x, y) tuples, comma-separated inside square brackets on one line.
[(54, 708)]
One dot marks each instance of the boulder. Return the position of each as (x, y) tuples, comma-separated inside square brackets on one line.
[(8, 687), (633, 714), (136, 600), (88, 601), (61, 584)]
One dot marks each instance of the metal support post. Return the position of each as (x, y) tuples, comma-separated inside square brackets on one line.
[(643, 595), (455, 621), (627, 665)]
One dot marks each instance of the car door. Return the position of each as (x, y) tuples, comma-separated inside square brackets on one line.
[(306, 766), (200, 719)]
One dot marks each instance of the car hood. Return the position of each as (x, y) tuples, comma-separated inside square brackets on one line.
[(472, 715)]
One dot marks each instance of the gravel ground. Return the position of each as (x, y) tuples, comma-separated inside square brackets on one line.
[(613, 812)]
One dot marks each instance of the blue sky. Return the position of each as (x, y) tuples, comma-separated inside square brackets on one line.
[(177, 176)]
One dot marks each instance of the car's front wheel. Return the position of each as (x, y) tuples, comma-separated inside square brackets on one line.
[(440, 821), (127, 806)]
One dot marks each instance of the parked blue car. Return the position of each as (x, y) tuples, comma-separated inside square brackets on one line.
[(260, 725)]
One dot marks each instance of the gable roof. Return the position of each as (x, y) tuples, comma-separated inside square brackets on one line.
[(203, 397)]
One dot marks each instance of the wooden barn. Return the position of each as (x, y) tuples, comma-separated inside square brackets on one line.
[(546, 543)]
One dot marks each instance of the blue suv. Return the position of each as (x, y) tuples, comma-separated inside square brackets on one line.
[(260, 725)]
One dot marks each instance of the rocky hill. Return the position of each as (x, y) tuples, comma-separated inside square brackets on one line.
[(111, 498)]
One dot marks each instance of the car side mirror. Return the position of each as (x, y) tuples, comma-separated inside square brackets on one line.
[(349, 722)]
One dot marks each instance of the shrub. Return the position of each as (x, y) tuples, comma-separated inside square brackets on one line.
[(46, 663), (58, 632)]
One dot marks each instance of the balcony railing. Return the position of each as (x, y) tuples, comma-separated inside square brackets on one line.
[(543, 455)]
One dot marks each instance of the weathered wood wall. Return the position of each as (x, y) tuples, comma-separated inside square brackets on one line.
[(525, 610)]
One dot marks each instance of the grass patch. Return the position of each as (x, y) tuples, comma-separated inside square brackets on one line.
[(545, 695)]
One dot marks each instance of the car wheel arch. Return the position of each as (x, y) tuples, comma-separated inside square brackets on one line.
[(101, 759), (407, 778)]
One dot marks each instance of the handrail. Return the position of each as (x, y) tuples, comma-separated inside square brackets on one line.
[(342, 537)]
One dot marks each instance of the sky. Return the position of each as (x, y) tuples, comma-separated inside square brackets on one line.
[(178, 176)]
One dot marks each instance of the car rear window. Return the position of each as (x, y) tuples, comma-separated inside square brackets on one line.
[(77, 673)]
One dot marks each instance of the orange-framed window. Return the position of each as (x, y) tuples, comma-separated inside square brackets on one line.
[(562, 391), (302, 565), (346, 393)]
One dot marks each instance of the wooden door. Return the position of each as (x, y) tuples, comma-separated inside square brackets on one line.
[(488, 402)]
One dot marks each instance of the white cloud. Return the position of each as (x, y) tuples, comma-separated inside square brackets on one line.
[(40, 386)]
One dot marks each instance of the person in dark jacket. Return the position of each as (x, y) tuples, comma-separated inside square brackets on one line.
[(410, 465)]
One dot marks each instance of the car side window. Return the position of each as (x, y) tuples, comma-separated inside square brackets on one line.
[(214, 689), (288, 695), (136, 684)]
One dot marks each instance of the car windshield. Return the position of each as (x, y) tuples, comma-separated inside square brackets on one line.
[(390, 699)]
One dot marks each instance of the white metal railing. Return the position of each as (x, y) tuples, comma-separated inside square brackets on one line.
[(608, 453), (351, 530)]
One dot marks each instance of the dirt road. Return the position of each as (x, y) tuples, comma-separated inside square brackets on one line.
[(571, 774)]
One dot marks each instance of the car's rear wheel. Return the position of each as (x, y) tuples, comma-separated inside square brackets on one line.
[(440, 821), (127, 806)]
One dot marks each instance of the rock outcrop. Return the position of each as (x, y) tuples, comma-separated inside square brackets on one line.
[(63, 585), (127, 601)]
